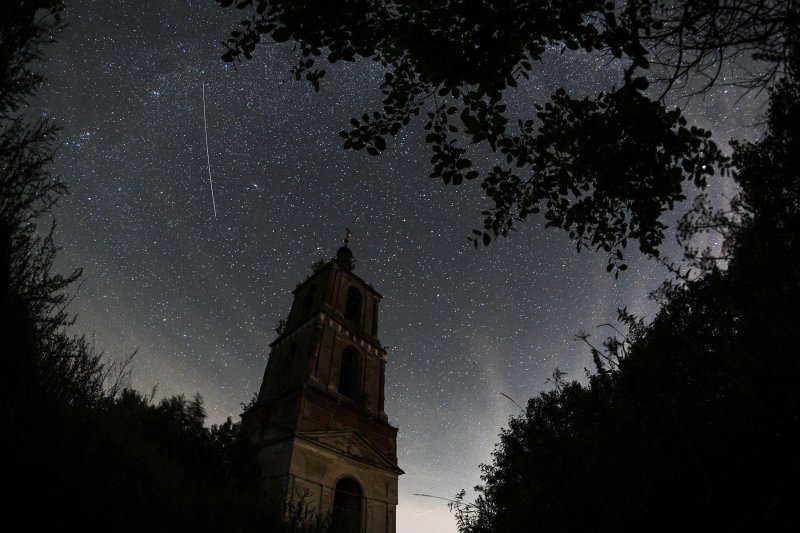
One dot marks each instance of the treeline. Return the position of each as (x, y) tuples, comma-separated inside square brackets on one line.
[(83, 451), (691, 422)]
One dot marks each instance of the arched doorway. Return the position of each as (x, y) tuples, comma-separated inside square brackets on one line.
[(347, 506)]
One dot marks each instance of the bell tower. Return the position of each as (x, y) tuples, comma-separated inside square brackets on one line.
[(319, 424)]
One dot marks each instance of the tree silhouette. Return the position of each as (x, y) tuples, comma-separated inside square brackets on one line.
[(693, 421), (604, 168), (47, 376), (86, 452)]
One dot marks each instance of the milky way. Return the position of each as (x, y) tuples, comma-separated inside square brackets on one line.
[(197, 297)]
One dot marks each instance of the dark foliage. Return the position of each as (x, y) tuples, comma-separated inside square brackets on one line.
[(604, 168), (693, 421), (84, 452)]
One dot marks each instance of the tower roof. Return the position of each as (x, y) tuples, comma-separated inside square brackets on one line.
[(343, 255), (345, 258)]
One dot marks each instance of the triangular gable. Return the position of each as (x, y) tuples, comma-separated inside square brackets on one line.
[(351, 444)]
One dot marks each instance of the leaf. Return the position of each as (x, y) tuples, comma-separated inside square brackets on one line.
[(641, 61), (640, 83), (281, 34)]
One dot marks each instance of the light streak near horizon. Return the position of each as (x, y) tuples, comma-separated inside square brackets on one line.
[(208, 156), (432, 510)]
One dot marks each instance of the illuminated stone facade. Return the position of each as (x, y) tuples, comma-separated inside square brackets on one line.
[(319, 423)]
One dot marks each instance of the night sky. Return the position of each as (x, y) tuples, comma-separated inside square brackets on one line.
[(197, 297)]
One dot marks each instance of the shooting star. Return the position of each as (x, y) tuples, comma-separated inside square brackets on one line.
[(208, 157), (428, 512)]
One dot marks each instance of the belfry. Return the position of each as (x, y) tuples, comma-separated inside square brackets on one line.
[(319, 424)]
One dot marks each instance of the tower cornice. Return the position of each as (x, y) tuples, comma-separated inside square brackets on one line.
[(325, 317), (332, 264)]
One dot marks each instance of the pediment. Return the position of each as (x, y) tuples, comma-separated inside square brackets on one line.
[(352, 444)]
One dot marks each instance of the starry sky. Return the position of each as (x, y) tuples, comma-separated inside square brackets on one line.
[(197, 296)]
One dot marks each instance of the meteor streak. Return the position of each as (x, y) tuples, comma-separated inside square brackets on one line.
[(208, 157)]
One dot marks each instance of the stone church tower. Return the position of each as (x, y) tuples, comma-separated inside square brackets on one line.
[(319, 424)]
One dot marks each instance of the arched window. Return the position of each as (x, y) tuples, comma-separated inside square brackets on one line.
[(350, 374), (347, 506), (352, 310), (308, 303), (290, 355)]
